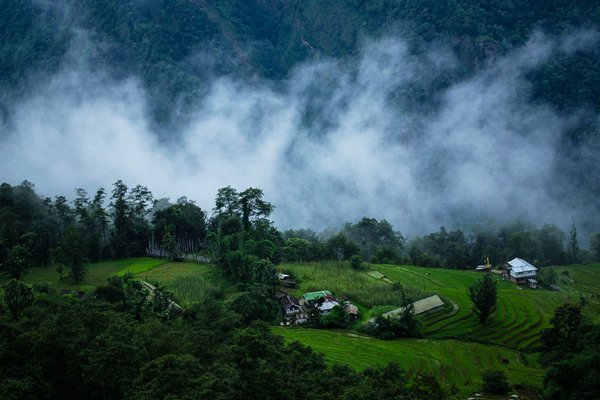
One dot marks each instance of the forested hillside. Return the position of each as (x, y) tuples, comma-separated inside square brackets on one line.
[(175, 45)]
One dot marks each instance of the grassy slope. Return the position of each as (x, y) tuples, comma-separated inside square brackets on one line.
[(517, 323), (96, 275), (584, 281), (364, 290), (452, 361), (190, 282)]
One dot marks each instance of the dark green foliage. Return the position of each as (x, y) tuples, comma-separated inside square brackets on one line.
[(185, 220), (562, 335), (495, 382), (547, 276), (484, 294), (356, 262), (257, 303), (403, 326), (17, 297), (17, 261), (573, 250), (339, 247), (572, 350), (372, 236), (72, 252), (337, 318)]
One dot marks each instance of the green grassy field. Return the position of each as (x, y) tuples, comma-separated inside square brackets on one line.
[(96, 274), (189, 282), (452, 361), (363, 289)]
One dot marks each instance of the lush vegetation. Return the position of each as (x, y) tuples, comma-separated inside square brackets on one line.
[(455, 362)]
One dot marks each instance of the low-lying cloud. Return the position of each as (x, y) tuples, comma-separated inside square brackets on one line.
[(337, 141)]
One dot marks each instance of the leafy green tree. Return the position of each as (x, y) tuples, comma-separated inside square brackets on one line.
[(356, 262), (16, 262), (484, 295), (573, 252), (184, 219), (169, 243), (17, 297), (370, 235), (72, 252), (340, 248), (337, 318), (561, 336)]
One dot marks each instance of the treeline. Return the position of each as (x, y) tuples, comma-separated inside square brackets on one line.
[(39, 231), (239, 235)]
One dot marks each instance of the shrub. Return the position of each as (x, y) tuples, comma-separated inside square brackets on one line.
[(495, 382)]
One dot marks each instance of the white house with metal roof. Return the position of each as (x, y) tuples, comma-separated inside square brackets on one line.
[(520, 271)]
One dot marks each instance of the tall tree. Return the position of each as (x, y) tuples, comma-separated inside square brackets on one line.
[(72, 252), (16, 262), (17, 297), (484, 295), (573, 244)]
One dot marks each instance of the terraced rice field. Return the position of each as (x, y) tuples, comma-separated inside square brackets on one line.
[(453, 362), (582, 281), (517, 323)]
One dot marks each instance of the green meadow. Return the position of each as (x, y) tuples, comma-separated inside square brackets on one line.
[(363, 289), (96, 273), (452, 361)]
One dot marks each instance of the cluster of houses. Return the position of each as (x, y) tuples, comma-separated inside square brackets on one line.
[(517, 271), (296, 310)]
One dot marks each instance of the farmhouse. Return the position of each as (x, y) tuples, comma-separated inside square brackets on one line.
[(352, 311), (328, 303), (520, 271), (286, 280), (291, 308)]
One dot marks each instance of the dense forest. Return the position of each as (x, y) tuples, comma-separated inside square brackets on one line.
[(163, 41)]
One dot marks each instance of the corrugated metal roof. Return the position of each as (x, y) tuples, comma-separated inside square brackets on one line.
[(520, 265), (316, 295), (421, 306)]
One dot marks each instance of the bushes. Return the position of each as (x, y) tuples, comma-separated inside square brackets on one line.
[(495, 382)]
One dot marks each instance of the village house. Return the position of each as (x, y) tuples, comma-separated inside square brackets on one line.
[(291, 308), (328, 303), (520, 271), (352, 311), (286, 280)]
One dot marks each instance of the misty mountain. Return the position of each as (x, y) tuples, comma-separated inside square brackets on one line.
[(175, 46), (422, 112)]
